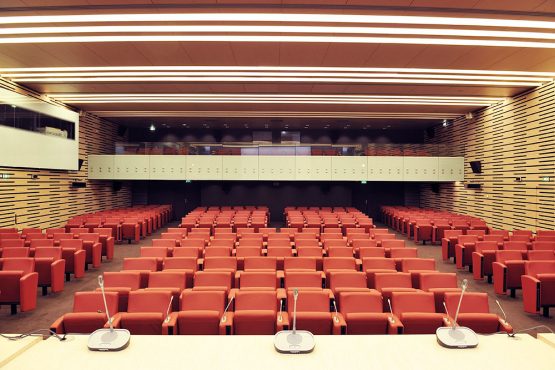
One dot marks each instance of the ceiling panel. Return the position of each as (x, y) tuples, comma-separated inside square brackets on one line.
[(256, 54), (302, 54)]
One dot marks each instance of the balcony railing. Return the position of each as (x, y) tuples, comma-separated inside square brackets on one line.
[(250, 149)]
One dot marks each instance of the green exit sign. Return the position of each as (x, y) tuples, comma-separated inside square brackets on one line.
[(363, 182), (546, 179)]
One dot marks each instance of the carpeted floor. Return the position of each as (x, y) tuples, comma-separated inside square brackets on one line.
[(52, 306)]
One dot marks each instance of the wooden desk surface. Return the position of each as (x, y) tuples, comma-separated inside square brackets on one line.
[(547, 338), (10, 349), (257, 352)]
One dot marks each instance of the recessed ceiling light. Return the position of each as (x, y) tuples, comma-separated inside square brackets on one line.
[(152, 127)]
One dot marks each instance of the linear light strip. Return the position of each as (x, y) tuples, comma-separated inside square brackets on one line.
[(299, 100), (316, 96), (98, 75), (277, 79), (277, 29), (275, 68), (279, 17), (275, 102), (292, 39)]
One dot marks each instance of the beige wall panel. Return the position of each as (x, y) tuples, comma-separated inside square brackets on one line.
[(204, 167), (101, 167), (313, 168), (168, 167), (349, 168), (450, 169), (385, 168), (276, 167), (420, 168), (240, 167), (132, 167)]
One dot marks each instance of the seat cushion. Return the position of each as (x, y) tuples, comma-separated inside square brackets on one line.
[(366, 323), (84, 322), (421, 322), (201, 322), (142, 323), (254, 322), (315, 322)]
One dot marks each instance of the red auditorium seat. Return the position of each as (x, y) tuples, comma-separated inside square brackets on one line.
[(169, 280), (439, 283), (256, 313), (88, 313), (415, 266), (10, 230), (373, 265), (146, 313), (213, 281), (93, 249), (417, 313), (30, 230), (483, 258), (188, 265), (74, 255), (54, 230), (448, 242), (538, 286), (131, 230), (260, 263), (121, 282), (18, 284), (51, 268), (347, 281), (363, 314), (504, 233), (507, 269), (160, 253), (464, 249), (107, 240), (14, 252), (200, 313), (474, 313), (313, 313), (389, 282), (423, 231)]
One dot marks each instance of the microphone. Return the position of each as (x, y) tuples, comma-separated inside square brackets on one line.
[(224, 317), (505, 322), (294, 341), (280, 317), (108, 339), (457, 336), (391, 319), (168, 311), (336, 317)]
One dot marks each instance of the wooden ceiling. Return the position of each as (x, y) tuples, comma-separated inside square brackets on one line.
[(277, 54)]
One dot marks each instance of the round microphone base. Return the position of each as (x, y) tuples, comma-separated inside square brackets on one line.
[(459, 337), (109, 340), (300, 342)]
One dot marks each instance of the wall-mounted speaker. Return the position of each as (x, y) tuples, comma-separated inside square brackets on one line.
[(81, 161), (476, 166), (116, 186), (78, 184), (473, 186), (435, 187)]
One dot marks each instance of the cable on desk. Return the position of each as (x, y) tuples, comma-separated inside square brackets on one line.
[(34, 333)]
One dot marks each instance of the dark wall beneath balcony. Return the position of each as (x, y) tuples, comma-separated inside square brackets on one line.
[(307, 136), (276, 195)]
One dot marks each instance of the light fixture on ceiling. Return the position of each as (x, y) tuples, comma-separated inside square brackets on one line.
[(445, 123), (152, 127), (442, 32)]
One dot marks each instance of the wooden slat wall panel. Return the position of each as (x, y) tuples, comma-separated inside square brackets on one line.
[(512, 139), (49, 200)]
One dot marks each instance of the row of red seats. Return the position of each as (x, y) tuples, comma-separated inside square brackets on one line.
[(327, 218), (427, 224), (346, 306), (130, 224), (228, 218), (517, 261)]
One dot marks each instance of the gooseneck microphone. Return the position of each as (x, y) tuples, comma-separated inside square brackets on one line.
[(108, 339), (457, 336), (224, 316), (294, 341)]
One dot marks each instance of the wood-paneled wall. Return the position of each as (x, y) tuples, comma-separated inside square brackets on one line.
[(512, 139), (49, 200)]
